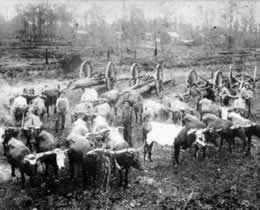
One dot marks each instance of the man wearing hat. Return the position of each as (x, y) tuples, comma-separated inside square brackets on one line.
[(62, 107), (247, 94)]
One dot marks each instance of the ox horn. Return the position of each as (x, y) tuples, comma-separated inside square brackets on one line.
[(233, 127), (220, 129), (140, 148), (191, 131)]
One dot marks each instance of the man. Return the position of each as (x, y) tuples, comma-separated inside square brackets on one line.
[(194, 94), (128, 118), (247, 94), (62, 106)]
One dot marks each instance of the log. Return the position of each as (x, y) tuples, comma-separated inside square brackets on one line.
[(87, 83), (145, 88), (150, 86), (137, 86)]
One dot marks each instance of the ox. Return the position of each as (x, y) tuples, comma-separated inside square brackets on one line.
[(207, 106), (123, 160), (160, 133), (51, 96), (38, 106), (225, 129), (19, 108)]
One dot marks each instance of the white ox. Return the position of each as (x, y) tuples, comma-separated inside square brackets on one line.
[(239, 121), (99, 123), (162, 133), (79, 127), (176, 103), (177, 106), (153, 110), (78, 132), (38, 105), (104, 110), (208, 106), (113, 136), (89, 95), (19, 102)]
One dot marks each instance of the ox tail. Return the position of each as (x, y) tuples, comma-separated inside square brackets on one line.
[(176, 154)]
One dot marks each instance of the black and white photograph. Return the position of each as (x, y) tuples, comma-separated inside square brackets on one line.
[(129, 104)]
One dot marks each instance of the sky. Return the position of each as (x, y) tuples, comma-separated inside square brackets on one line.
[(188, 11)]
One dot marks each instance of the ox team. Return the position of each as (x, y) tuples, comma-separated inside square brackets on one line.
[(208, 114)]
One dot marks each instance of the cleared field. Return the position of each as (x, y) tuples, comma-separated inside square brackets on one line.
[(222, 180)]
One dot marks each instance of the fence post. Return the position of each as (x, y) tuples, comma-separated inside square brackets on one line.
[(46, 56)]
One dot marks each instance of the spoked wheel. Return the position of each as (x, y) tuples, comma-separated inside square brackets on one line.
[(110, 76), (86, 70)]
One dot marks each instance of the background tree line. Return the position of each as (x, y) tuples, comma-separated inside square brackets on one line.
[(45, 22)]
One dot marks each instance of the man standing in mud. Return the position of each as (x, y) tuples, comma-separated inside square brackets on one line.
[(128, 121), (62, 106)]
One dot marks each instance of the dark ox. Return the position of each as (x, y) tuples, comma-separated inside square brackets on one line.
[(50, 99), (15, 153), (19, 113), (226, 130), (30, 135), (191, 136), (122, 160), (9, 132), (250, 132), (76, 154), (44, 142)]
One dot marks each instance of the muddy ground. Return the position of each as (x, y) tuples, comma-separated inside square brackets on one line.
[(221, 181)]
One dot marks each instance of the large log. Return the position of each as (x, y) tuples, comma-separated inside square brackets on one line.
[(87, 82), (150, 86)]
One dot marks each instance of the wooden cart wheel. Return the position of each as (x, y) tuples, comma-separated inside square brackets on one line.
[(218, 79), (158, 79), (192, 78), (110, 76), (86, 70), (135, 75)]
